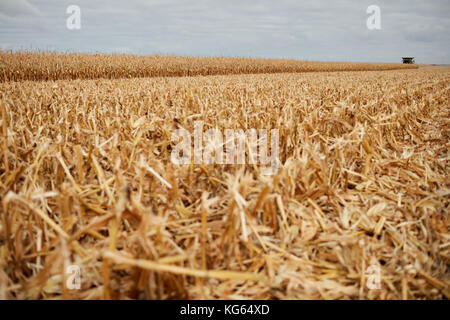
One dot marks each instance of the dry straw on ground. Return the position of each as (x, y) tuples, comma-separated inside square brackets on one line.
[(86, 179)]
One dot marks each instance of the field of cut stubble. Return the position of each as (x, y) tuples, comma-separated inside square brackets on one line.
[(86, 179)]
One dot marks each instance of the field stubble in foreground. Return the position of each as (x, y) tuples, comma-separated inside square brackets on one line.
[(363, 182)]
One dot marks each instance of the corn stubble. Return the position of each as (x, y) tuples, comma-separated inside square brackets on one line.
[(86, 179)]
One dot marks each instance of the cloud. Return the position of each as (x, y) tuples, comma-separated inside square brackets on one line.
[(13, 8), (314, 30)]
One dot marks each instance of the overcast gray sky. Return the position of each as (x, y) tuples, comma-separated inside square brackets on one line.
[(313, 30)]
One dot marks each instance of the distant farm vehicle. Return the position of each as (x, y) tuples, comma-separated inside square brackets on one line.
[(408, 60)]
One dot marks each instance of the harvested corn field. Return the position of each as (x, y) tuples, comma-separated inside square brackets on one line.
[(56, 66), (362, 185)]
